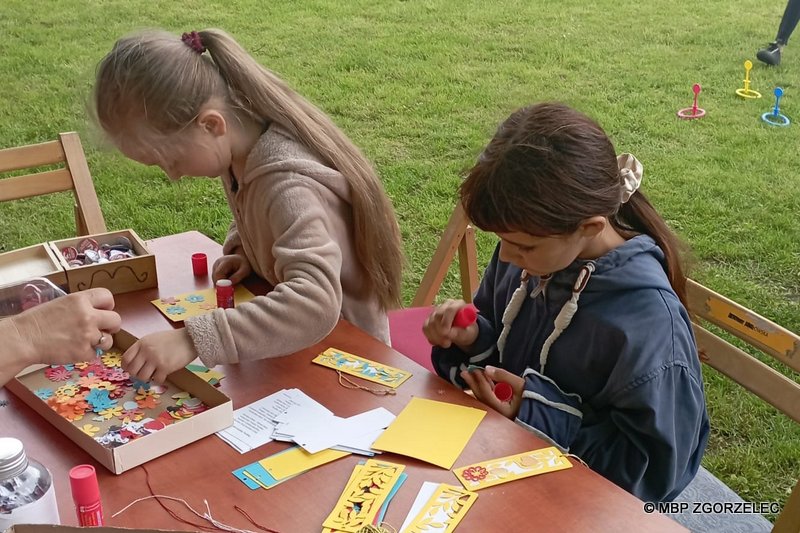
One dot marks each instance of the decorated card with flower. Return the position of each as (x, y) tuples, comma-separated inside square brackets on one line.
[(497, 471), (195, 303)]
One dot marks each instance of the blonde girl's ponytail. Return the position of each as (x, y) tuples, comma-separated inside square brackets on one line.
[(263, 94)]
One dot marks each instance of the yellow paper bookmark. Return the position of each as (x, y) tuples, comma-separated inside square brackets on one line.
[(363, 495), (362, 368), (497, 471), (443, 511), (297, 460)]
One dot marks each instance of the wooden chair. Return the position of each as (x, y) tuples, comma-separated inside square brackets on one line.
[(72, 175), (405, 325), (763, 335), (778, 390)]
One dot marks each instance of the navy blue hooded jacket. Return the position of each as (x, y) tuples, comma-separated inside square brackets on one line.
[(622, 386)]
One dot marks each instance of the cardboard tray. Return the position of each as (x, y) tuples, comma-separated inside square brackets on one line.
[(219, 415), (121, 276), (37, 261)]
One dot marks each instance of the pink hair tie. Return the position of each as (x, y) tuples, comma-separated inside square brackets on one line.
[(192, 40)]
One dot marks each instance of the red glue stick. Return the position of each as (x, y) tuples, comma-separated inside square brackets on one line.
[(503, 391), (465, 316), (224, 294), (86, 495)]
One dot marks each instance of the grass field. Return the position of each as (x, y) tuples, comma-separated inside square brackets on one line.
[(421, 85)]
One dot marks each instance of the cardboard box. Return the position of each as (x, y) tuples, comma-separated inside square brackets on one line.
[(37, 261), (219, 415), (125, 275)]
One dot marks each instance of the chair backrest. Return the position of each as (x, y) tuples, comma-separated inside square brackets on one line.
[(73, 175), (458, 236), (768, 338)]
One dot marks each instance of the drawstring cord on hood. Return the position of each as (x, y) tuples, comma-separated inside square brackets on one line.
[(561, 322)]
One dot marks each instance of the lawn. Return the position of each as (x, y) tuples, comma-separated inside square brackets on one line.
[(421, 86)]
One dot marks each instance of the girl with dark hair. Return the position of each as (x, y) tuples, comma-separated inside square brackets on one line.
[(582, 307)]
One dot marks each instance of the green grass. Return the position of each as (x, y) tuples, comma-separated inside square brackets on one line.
[(421, 86)]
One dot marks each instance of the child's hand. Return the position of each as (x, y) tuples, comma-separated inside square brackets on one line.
[(439, 329), (233, 267), (482, 382), (155, 356)]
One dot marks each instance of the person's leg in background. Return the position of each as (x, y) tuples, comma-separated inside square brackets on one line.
[(771, 55)]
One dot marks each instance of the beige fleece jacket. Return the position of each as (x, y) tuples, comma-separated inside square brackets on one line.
[(292, 220)]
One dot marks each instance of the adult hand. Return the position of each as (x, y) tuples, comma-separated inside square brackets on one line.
[(482, 382), (155, 356), (68, 329), (233, 267), (439, 330)]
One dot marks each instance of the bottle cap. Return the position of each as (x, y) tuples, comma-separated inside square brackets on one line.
[(83, 482), (465, 316), (224, 283), (199, 264), (13, 461), (503, 391)]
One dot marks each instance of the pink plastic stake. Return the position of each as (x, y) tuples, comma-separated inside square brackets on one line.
[(503, 391), (696, 90), (465, 316)]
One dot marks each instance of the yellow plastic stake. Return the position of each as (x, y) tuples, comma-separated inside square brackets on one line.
[(746, 91)]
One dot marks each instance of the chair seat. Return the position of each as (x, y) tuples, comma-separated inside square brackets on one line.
[(405, 328), (708, 489)]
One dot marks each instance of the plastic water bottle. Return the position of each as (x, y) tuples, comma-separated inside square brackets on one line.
[(27, 495)]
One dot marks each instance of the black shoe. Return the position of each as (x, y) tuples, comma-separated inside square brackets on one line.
[(771, 55)]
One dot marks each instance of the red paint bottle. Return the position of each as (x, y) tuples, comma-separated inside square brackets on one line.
[(86, 495), (224, 294)]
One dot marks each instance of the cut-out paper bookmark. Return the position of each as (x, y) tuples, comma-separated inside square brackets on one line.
[(434, 432), (497, 471), (362, 368), (196, 303), (365, 493), (438, 509)]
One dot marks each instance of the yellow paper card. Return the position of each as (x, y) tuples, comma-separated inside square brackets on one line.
[(297, 460), (497, 471), (195, 303), (431, 431), (362, 368), (443, 511)]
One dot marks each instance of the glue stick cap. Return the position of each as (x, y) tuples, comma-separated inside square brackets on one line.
[(83, 482), (224, 283)]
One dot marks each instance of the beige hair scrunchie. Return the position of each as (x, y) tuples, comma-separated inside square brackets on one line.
[(630, 175)]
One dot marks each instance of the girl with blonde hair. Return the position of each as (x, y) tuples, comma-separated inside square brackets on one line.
[(310, 215)]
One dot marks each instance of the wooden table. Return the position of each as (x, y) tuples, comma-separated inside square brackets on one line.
[(572, 500)]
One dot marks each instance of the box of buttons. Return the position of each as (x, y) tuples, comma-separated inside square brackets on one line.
[(118, 261), (118, 420)]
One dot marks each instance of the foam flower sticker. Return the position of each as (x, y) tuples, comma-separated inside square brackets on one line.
[(207, 306), (90, 429), (70, 389), (88, 382), (176, 310), (111, 412), (169, 300), (475, 473), (43, 393), (195, 298), (112, 359), (69, 367), (58, 373), (149, 402)]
